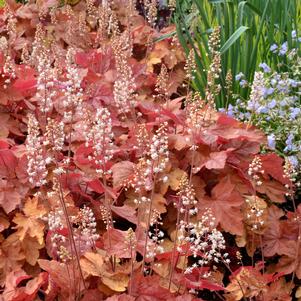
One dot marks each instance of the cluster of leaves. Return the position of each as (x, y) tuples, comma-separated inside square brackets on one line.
[(248, 28), (134, 187)]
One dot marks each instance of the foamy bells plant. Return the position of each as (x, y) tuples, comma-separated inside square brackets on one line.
[(141, 182)]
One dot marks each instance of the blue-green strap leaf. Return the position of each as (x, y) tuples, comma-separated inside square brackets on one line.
[(233, 38)]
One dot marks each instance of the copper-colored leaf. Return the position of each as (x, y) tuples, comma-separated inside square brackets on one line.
[(11, 255), (92, 264), (122, 172), (29, 223), (116, 243), (175, 177), (217, 160), (225, 204), (10, 198), (117, 282)]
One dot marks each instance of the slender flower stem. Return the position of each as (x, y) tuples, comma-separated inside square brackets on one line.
[(71, 232), (174, 251), (262, 255), (230, 270), (148, 223)]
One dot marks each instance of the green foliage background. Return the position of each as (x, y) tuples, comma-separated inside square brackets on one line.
[(248, 29)]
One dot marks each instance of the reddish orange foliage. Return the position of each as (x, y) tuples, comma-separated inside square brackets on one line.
[(62, 65)]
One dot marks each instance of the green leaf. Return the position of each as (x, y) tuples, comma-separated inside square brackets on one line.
[(254, 9), (2, 3), (233, 38), (259, 32), (241, 8), (164, 36), (219, 1)]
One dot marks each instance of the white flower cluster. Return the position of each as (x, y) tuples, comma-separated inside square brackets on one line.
[(188, 201), (143, 139), (59, 171), (140, 180), (84, 231), (142, 200), (59, 242), (54, 219), (255, 213), (100, 137), (151, 11), (124, 85), (131, 242), (36, 166), (106, 216), (107, 22), (205, 241), (55, 135), (155, 157), (123, 91), (255, 169), (8, 71), (257, 91), (3, 44), (162, 83), (73, 91), (159, 152), (190, 66), (45, 83), (291, 173), (63, 254), (87, 227), (153, 245)]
